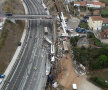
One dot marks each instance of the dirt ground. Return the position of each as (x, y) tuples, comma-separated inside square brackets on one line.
[(96, 12), (50, 6), (12, 33), (10, 44), (13, 6), (68, 76)]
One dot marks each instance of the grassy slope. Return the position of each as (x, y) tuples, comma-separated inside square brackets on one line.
[(11, 33), (10, 42), (13, 6)]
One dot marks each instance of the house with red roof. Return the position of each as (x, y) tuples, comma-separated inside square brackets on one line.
[(93, 4), (99, 25), (104, 32), (95, 22)]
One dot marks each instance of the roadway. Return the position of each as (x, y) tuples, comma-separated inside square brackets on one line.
[(23, 75)]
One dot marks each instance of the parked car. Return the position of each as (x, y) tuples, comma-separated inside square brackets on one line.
[(86, 17), (19, 43), (8, 14), (84, 20), (81, 30), (2, 76)]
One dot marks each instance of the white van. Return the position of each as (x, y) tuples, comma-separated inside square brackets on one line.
[(74, 87)]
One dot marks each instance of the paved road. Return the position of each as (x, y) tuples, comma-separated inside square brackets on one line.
[(23, 75)]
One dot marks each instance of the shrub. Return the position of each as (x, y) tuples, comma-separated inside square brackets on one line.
[(90, 35), (83, 25), (74, 40), (104, 12), (98, 81)]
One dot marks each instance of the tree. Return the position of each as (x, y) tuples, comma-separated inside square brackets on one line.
[(104, 12), (91, 10), (73, 41), (103, 59), (105, 1)]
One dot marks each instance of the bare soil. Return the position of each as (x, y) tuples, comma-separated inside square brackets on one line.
[(50, 6), (13, 6), (96, 12), (15, 31), (68, 76), (12, 33)]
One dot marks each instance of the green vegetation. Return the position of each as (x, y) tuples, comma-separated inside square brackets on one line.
[(99, 81), (104, 12), (94, 57), (94, 39), (83, 25), (72, 3), (99, 77), (91, 10), (105, 1), (74, 40), (100, 62)]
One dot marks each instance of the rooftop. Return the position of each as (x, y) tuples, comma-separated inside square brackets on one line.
[(96, 18), (105, 20), (104, 34), (84, 3), (99, 3)]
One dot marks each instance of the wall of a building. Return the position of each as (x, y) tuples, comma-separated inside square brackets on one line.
[(90, 23), (105, 26), (95, 25)]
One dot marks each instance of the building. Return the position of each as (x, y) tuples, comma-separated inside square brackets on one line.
[(68, 1), (95, 22), (104, 32), (105, 23), (95, 4), (81, 3), (89, 4)]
